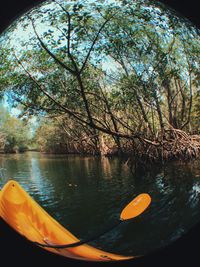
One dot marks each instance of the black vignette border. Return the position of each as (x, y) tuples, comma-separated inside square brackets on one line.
[(14, 249)]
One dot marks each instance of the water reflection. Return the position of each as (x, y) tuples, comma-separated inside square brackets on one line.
[(86, 195)]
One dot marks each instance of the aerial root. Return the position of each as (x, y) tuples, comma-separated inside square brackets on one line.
[(175, 144)]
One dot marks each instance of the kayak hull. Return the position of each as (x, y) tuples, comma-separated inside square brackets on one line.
[(28, 218)]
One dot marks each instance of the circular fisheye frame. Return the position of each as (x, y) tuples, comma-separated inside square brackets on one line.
[(99, 127)]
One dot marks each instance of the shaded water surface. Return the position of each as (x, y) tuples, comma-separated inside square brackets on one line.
[(86, 195)]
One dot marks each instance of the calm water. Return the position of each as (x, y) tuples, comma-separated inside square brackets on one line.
[(86, 195)]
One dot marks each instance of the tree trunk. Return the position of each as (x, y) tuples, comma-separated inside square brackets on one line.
[(169, 101), (183, 108), (143, 113), (160, 117)]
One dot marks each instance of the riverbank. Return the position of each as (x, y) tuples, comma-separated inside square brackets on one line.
[(174, 145)]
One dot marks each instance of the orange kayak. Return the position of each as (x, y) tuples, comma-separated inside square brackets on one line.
[(25, 216)]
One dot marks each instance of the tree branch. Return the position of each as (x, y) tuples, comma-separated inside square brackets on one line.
[(57, 60), (69, 37), (94, 42)]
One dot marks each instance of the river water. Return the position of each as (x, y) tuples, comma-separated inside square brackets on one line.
[(86, 195)]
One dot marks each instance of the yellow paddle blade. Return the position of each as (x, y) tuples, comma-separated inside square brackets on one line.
[(135, 207)]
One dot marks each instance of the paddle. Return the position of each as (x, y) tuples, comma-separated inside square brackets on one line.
[(137, 206)]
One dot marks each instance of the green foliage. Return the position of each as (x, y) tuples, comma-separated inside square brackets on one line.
[(15, 133), (48, 138)]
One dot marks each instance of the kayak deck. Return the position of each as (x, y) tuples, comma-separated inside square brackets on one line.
[(25, 216)]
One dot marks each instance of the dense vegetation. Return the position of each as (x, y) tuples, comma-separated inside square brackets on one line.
[(14, 133), (108, 77)]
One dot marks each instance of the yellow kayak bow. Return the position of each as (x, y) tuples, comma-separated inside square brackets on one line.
[(25, 216)]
